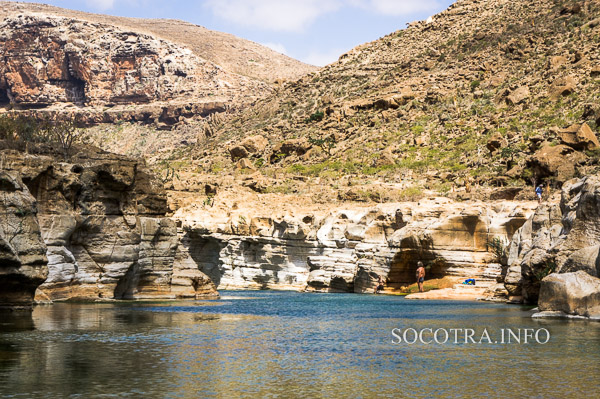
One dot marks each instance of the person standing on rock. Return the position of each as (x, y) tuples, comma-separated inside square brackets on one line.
[(420, 275), (539, 190)]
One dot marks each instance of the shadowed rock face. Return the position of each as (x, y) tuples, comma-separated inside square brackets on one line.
[(102, 219), (23, 262), (348, 250), (559, 238)]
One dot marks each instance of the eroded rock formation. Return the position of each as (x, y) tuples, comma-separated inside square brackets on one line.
[(102, 217), (23, 262), (559, 240), (347, 250)]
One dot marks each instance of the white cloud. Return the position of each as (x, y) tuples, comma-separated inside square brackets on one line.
[(280, 48), (101, 5), (297, 15), (319, 58), (275, 15), (401, 7)]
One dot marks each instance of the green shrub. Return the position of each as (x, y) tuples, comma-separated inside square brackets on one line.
[(317, 116), (498, 247)]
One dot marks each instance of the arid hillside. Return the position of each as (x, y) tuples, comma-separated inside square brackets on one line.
[(483, 99)]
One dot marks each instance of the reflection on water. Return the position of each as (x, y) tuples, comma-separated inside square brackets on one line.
[(285, 344)]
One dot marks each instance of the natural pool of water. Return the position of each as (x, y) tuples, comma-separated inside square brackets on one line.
[(290, 345)]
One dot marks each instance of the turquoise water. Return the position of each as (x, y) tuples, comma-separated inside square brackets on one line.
[(289, 345)]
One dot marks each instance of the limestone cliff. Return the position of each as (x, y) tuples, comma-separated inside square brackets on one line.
[(559, 240), (349, 248), (102, 219), (233, 54), (50, 62), (23, 262)]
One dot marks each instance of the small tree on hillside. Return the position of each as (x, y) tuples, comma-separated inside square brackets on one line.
[(326, 143)]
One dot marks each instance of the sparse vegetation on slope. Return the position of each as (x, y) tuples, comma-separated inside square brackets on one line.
[(488, 96)]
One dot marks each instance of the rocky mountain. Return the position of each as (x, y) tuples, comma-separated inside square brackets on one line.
[(107, 69), (494, 93), (234, 54)]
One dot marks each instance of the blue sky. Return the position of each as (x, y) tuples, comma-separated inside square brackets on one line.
[(313, 31)]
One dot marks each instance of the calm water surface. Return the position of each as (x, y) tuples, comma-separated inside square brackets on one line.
[(286, 345)]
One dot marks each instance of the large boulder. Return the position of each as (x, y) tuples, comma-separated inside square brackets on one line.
[(518, 96), (253, 145), (575, 293), (579, 137), (561, 87), (558, 161), (289, 147)]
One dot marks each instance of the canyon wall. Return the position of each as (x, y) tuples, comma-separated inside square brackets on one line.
[(23, 262), (348, 250), (102, 218), (554, 259)]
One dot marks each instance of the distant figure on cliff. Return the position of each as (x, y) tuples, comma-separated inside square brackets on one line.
[(379, 285), (420, 275), (539, 190)]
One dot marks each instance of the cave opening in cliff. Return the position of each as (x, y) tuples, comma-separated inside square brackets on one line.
[(75, 91), (404, 266), (4, 99), (205, 251)]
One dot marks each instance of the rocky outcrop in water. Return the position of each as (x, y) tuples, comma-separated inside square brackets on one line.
[(528, 261), (559, 240), (102, 217), (348, 249), (570, 294), (23, 262)]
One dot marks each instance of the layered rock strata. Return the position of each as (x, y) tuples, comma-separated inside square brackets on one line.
[(52, 61), (102, 217), (347, 250), (23, 262), (552, 249)]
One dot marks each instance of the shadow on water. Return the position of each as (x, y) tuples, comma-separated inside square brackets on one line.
[(12, 322), (16, 321)]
